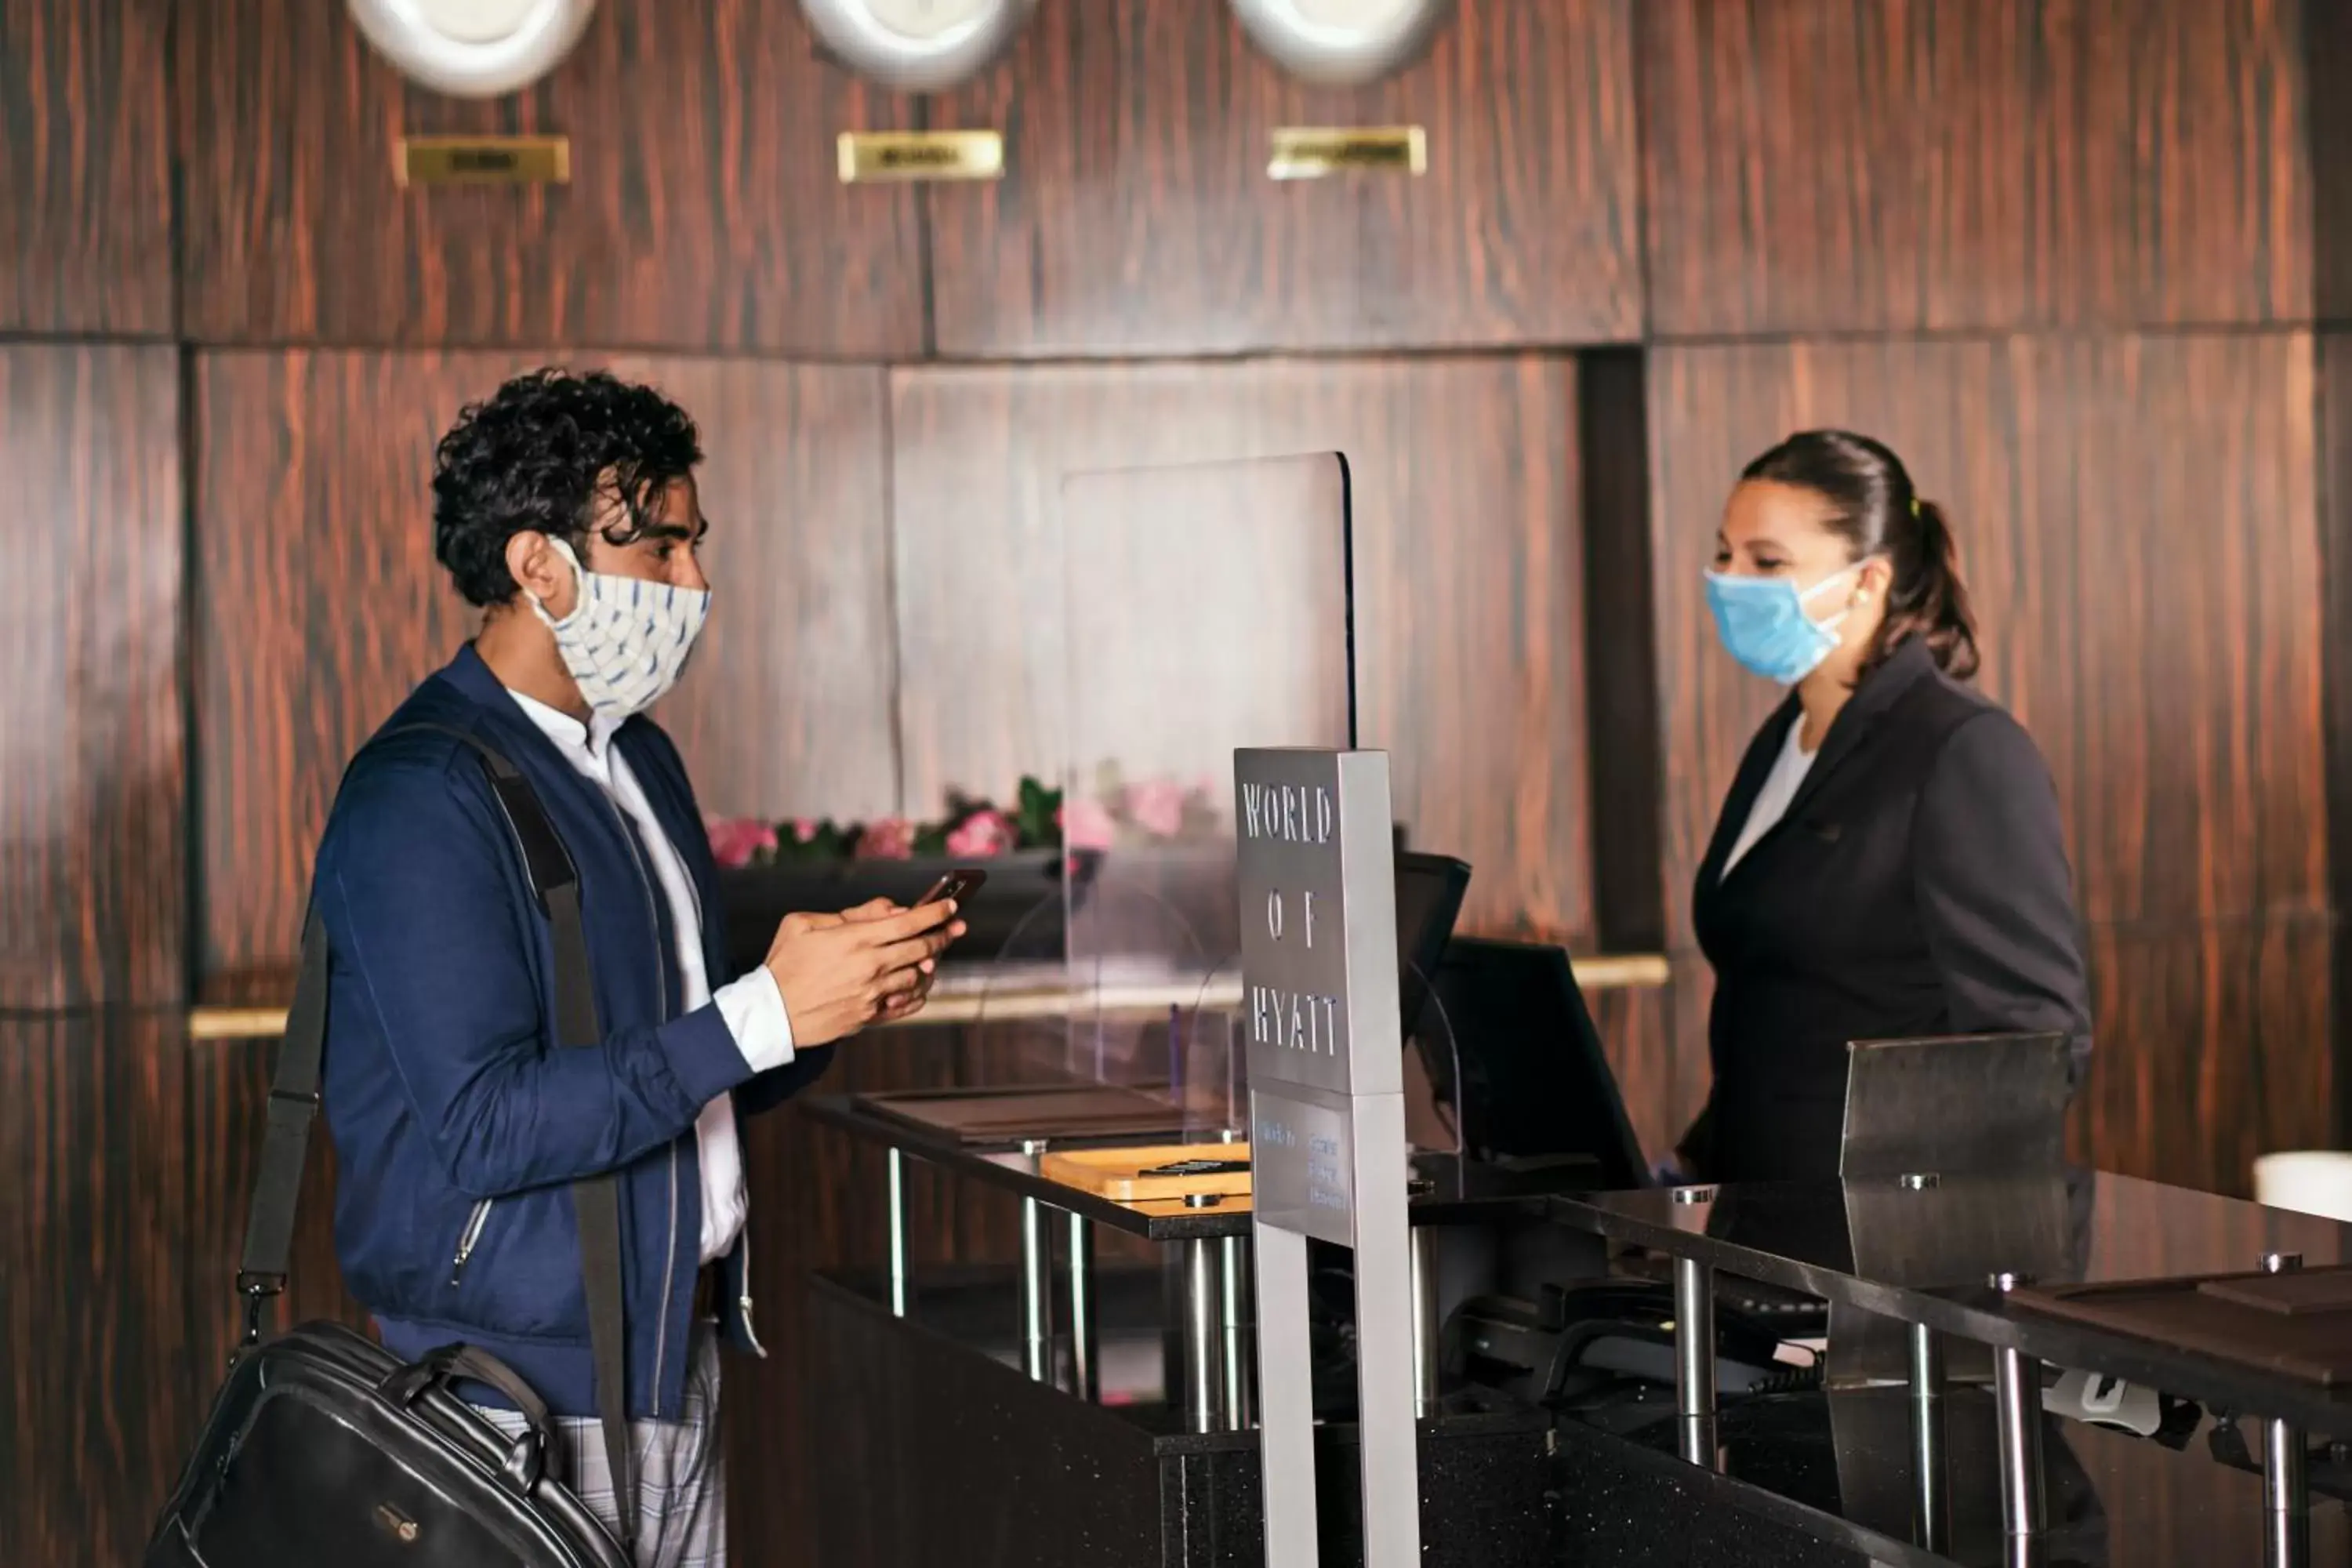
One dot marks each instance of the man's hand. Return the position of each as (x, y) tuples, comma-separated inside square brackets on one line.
[(839, 972)]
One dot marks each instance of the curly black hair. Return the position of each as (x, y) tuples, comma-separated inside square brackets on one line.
[(549, 452)]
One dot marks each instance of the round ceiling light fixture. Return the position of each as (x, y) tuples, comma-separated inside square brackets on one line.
[(1341, 42), (473, 48), (917, 46)]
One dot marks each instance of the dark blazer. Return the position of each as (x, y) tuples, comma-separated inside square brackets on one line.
[(1916, 885)]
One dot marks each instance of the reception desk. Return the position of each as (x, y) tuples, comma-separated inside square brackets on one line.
[(1057, 1413), (1062, 1413)]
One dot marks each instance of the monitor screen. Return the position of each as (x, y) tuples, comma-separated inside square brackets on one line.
[(1533, 1081), (1429, 890)]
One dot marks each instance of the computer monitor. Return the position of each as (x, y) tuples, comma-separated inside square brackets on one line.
[(1428, 891), (1533, 1081)]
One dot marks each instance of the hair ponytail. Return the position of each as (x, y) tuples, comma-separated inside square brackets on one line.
[(1924, 597), (1877, 512)]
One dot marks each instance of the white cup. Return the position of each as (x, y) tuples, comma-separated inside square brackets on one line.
[(2308, 1181)]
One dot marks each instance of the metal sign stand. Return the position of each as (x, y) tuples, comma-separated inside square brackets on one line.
[(1317, 879)]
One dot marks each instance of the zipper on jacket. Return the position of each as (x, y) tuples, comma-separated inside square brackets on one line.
[(743, 1300), (669, 1279), (469, 1240)]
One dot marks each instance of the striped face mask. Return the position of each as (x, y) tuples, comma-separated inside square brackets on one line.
[(626, 641)]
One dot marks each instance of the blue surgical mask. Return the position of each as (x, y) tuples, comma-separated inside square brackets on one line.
[(1764, 626)]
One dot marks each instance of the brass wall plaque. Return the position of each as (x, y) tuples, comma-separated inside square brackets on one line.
[(482, 161), (874, 157), (1313, 152)]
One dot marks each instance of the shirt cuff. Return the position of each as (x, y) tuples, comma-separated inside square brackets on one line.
[(754, 1011)]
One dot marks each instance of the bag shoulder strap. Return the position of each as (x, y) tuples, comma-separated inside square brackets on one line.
[(294, 1108)]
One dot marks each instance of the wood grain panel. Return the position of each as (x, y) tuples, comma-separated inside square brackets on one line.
[(1816, 165), (92, 785), (703, 212), (2212, 1050), (227, 1116), (102, 1395), (1662, 1085), (2333, 355), (85, 168), (322, 604), (1135, 216), (1467, 591), (2136, 523)]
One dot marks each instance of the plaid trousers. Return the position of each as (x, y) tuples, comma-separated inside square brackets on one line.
[(681, 1479)]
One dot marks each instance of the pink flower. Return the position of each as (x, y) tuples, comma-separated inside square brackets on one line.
[(1157, 808), (805, 829), (735, 842), (891, 838), (1085, 824), (983, 834)]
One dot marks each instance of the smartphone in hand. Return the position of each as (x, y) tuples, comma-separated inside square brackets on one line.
[(958, 884)]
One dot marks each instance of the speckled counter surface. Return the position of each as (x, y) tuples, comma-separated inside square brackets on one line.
[(933, 1450)]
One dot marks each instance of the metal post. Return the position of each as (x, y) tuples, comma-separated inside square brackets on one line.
[(1695, 1359), (1931, 1521), (1203, 1384), (1085, 1348), (2287, 1497), (1036, 1292), (1389, 1478), (1425, 1321), (1285, 1396), (2017, 1400), (897, 1233), (1237, 1321)]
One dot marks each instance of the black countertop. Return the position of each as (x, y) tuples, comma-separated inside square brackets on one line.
[(1927, 1256)]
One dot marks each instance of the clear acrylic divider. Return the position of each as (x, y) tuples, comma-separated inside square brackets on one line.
[(1206, 608)]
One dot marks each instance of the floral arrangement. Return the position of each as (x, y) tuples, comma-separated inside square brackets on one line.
[(977, 829)]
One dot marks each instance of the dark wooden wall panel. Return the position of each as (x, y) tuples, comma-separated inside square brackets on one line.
[(2213, 1041), (704, 210), (92, 782), (85, 168), (323, 604), (102, 1394), (1469, 640), (1846, 165), (1136, 216), (226, 1116), (2137, 526), (2334, 426)]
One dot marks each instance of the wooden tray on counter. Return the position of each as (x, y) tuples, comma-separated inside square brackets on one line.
[(1119, 1174)]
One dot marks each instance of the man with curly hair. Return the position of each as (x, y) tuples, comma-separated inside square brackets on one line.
[(565, 507)]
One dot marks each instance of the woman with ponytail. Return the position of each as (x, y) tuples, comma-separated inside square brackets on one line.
[(1889, 862)]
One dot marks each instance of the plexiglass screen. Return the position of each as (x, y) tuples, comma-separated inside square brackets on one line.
[(1207, 609)]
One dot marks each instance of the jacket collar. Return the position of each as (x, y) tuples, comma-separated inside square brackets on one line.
[(480, 686), (665, 790), (1911, 662)]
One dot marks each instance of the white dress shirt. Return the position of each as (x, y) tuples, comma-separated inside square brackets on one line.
[(1788, 771), (752, 1007)]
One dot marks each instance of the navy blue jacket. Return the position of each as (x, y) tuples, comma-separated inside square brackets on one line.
[(458, 1123)]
